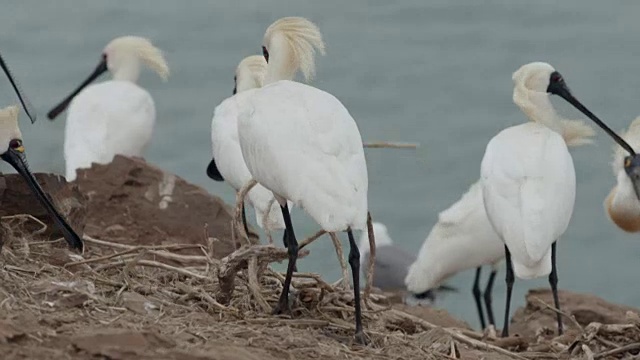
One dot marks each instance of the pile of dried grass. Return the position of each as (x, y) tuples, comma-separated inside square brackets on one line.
[(52, 299)]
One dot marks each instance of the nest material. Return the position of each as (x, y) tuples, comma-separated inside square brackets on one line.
[(126, 302)]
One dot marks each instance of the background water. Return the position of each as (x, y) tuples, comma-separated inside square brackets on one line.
[(433, 72)]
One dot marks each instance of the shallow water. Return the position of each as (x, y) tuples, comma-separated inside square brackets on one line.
[(436, 72)]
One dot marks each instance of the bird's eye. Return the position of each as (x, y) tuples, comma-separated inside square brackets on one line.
[(16, 144), (265, 53), (627, 161), (556, 78)]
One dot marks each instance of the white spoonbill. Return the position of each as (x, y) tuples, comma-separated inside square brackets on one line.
[(463, 238), (303, 145), (115, 116), (622, 204), (529, 182), (13, 153), (227, 163), (391, 265)]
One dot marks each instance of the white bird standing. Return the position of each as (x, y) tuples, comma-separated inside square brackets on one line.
[(227, 163), (303, 145), (463, 238), (529, 182), (14, 154), (623, 204), (115, 116)]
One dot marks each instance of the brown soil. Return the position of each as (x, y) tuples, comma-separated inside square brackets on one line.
[(135, 294)]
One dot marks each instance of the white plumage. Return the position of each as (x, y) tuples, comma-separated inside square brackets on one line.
[(529, 188), (463, 238), (226, 146), (115, 116), (622, 204), (528, 178), (303, 145)]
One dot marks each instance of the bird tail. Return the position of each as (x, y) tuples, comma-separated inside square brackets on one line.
[(534, 270)]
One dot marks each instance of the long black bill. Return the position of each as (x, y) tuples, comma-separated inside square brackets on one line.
[(26, 104), (101, 68), (563, 91), (18, 160)]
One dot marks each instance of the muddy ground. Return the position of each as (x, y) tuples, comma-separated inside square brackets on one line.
[(160, 278)]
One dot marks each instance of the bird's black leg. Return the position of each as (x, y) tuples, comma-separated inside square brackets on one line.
[(476, 296), (553, 281), (244, 221), (285, 241), (488, 301), (283, 302), (509, 279), (354, 261)]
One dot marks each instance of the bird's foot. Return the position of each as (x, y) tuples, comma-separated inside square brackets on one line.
[(490, 332), (360, 338), (281, 309)]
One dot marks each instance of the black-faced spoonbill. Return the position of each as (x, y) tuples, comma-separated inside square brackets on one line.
[(391, 265), (227, 163), (623, 204), (116, 116), (13, 153), (303, 145), (463, 238), (529, 182)]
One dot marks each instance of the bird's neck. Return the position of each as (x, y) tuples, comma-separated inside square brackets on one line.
[(537, 106), (245, 83), (282, 62), (127, 71)]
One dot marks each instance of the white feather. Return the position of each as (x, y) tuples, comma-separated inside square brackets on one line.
[(303, 145), (113, 117), (529, 192)]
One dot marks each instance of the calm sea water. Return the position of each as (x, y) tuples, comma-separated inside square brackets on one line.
[(433, 72)]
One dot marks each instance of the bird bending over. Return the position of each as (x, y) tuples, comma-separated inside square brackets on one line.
[(14, 154), (623, 204), (463, 238), (116, 116), (391, 265), (303, 145), (528, 179), (227, 163)]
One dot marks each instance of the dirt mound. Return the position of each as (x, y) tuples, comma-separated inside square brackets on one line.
[(536, 315), (133, 202)]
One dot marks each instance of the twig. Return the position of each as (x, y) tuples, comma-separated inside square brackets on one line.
[(372, 260), (622, 349), (390, 145), (340, 255), (558, 311), (254, 284), (43, 226), (236, 225), (311, 239), (458, 336), (101, 258)]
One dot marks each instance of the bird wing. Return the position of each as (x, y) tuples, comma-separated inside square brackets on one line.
[(528, 184), (301, 143), (226, 144)]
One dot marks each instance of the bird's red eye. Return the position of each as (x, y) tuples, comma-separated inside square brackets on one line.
[(16, 144), (556, 78), (265, 53)]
